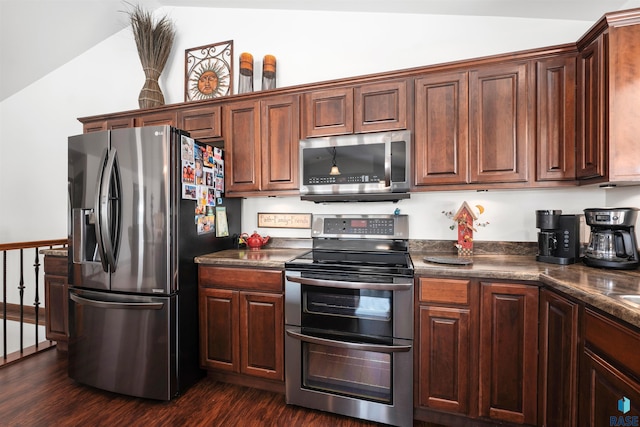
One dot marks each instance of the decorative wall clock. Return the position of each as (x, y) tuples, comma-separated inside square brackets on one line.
[(208, 71)]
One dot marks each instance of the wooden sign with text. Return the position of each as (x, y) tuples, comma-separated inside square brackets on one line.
[(282, 220)]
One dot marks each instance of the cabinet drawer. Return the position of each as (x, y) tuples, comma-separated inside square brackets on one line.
[(241, 278), (448, 291), (619, 343), (55, 265)]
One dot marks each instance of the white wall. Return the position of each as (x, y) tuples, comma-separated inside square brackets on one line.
[(309, 46)]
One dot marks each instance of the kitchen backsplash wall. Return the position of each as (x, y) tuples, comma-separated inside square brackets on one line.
[(510, 213)]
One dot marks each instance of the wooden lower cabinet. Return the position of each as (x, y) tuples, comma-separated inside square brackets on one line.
[(508, 352), (242, 325), (609, 373), (56, 304), (558, 360)]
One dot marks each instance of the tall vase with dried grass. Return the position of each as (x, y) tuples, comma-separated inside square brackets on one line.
[(154, 40)]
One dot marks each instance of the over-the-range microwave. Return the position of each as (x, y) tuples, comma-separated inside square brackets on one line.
[(361, 167)]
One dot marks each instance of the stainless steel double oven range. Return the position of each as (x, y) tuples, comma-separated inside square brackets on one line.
[(349, 319)]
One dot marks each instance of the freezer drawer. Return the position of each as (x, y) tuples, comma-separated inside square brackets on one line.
[(124, 343)]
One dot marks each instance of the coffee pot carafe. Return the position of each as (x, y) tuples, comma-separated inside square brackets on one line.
[(612, 243)]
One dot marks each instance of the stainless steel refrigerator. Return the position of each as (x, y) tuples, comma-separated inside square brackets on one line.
[(133, 298)]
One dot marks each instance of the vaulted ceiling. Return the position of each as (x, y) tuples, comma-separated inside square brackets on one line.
[(38, 36)]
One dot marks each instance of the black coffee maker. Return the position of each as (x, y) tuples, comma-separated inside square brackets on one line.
[(559, 237), (613, 240)]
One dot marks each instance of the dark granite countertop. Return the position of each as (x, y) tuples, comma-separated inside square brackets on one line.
[(251, 258), (597, 287)]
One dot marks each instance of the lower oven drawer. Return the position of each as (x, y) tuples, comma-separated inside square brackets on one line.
[(360, 379)]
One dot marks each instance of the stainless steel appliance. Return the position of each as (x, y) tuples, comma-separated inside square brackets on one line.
[(362, 167), (559, 237), (133, 308), (349, 319), (612, 243)]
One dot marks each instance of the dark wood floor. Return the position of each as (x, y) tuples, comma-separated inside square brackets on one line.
[(37, 392)]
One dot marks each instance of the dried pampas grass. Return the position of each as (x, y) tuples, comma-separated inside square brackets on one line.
[(154, 40)]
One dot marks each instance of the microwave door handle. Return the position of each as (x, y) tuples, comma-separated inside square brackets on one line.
[(377, 348), (351, 285), (387, 165)]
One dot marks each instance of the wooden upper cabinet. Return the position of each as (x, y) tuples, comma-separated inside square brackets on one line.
[(110, 124), (370, 107), (328, 112), (203, 123), (441, 129), (242, 146), (159, 118), (280, 134), (380, 107), (498, 123), (623, 47), (591, 143), (556, 112)]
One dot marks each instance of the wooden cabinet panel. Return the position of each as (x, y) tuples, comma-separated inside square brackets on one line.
[(556, 104), (444, 361), (498, 123), (120, 123), (623, 47), (262, 335), (591, 143), (441, 129), (202, 123), (242, 324), (508, 352), (609, 370), (242, 146), (380, 107), (558, 360), (601, 387), (157, 119), (280, 133), (219, 333), (328, 112), (56, 303)]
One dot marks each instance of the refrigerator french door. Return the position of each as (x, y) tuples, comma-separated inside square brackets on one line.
[(133, 315)]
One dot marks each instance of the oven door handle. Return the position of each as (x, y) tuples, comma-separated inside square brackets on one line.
[(351, 285), (378, 348)]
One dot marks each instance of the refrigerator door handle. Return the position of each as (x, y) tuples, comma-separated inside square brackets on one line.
[(108, 225), (98, 213), (113, 305)]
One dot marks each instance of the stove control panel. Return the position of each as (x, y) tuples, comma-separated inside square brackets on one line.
[(378, 226)]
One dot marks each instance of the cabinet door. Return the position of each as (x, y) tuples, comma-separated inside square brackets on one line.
[(556, 103), (126, 122), (380, 107), (202, 123), (280, 135), (508, 352), (602, 387), (157, 119), (219, 329), (328, 112), (591, 142), (242, 146), (558, 354), (441, 129), (444, 358), (56, 308), (262, 335), (498, 123)]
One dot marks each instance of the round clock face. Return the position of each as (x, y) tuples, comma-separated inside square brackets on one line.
[(210, 78)]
